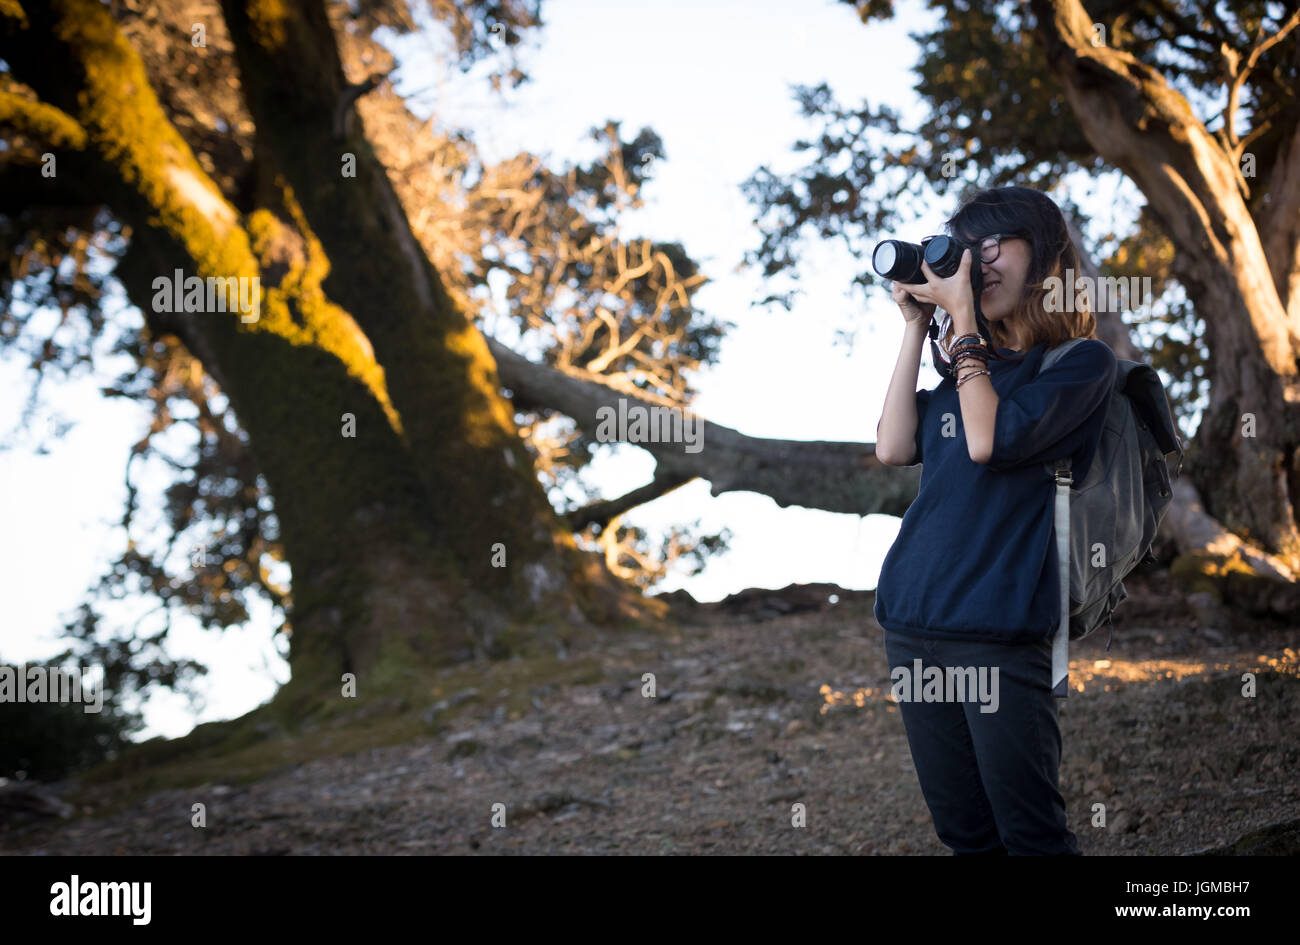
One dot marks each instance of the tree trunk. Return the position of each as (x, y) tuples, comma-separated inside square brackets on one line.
[(1245, 461), (390, 532), (461, 433)]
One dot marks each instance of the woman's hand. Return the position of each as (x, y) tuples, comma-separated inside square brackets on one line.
[(912, 309), (952, 294)]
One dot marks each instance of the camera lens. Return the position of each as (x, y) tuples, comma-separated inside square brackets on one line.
[(943, 253), (885, 256), (897, 260)]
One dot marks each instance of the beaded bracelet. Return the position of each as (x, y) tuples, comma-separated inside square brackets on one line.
[(957, 374), (967, 377), (969, 357)]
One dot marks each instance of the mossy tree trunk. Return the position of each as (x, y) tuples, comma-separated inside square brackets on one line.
[(1242, 272), (390, 532), (438, 370)]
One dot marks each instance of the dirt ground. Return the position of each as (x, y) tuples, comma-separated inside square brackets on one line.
[(766, 701)]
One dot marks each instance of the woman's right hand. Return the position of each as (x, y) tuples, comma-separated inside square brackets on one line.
[(912, 309)]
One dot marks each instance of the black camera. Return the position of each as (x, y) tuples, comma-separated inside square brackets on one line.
[(901, 262)]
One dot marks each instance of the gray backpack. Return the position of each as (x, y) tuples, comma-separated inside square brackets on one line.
[(1106, 524)]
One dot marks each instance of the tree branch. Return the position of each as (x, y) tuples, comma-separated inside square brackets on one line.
[(45, 123), (834, 476), (344, 112), (1237, 77), (601, 513)]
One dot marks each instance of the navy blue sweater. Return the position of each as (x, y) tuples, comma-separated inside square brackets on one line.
[(975, 557)]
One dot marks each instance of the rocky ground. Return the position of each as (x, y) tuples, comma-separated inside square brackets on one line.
[(764, 702)]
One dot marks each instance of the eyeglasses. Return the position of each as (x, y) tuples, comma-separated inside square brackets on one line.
[(991, 246)]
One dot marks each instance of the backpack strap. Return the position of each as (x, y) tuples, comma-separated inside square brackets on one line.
[(1064, 480), (1058, 352), (1061, 638), (1049, 359)]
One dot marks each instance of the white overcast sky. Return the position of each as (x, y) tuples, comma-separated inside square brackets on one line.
[(712, 79)]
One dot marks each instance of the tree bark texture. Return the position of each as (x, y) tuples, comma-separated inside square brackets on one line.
[(390, 532), (1246, 458)]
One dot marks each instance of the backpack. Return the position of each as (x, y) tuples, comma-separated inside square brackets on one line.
[(1118, 506)]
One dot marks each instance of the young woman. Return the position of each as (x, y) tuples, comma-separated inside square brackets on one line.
[(971, 581)]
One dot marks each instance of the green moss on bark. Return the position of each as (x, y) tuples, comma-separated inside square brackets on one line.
[(49, 125), (390, 533)]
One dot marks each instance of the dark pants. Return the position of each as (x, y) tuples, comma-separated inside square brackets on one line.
[(989, 778)]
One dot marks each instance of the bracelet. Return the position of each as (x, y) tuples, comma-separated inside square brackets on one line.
[(965, 364), (971, 338), (967, 377), (970, 357), (971, 342), (980, 354)]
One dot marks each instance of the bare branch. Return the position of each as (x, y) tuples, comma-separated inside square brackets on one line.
[(602, 513), (343, 112), (1238, 76), (834, 476)]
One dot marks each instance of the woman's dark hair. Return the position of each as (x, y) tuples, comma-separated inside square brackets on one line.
[(1035, 217)]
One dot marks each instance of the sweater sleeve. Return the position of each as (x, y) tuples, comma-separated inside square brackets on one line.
[(1041, 420)]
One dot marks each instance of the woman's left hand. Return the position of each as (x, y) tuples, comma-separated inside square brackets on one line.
[(952, 294)]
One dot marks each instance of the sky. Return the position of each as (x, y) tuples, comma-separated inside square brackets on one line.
[(712, 79)]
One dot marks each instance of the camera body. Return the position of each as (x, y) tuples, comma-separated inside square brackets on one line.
[(901, 261)]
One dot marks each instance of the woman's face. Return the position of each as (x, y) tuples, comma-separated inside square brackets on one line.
[(1004, 279)]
